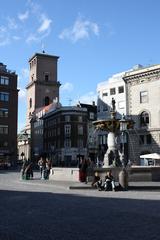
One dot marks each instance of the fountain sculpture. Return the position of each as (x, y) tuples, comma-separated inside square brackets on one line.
[(114, 156)]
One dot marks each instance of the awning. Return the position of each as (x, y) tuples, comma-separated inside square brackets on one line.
[(151, 156)]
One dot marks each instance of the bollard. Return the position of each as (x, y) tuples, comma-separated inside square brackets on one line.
[(123, 179)]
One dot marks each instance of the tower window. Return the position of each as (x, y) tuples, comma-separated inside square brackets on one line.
[(46, 77), (46, 101), (30, 102)]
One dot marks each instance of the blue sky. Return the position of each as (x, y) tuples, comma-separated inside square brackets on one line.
[(94, 39)]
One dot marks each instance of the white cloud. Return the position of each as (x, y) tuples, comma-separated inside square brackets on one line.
[(4, 37), (23, 16), (32, 38), (45, 25), (87, 98), (31, 25), (67, 87), (25, 73), (81, 29), (23, 76), (12, 23), (16, 38)]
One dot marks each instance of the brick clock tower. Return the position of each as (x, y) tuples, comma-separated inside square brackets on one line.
[(43, 86)]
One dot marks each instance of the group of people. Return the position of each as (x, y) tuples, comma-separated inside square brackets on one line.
[(44, 165), (27, 169), (107, 185)]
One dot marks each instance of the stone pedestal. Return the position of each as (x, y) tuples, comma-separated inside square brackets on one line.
[(111, 149), (123, 179)]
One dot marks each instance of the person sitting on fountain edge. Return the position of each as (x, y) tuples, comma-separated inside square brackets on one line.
[(109, 183)]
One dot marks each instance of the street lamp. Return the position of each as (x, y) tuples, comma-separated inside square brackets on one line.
[(26, 142), (123, 175)]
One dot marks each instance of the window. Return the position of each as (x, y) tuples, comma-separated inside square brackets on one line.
[(144, 119), (80, 143), (67, 143), (46, 101), (80, 130), (121, 89), (3, 144), (4, 80), (67, 130), (141, 139), (104, 94), (30, 102), (121, 104), (143, 97), (105, 108), (3, 129), (148, 139), (46, 77), (3, 112), (79, 118), (98, 108), (58, 131), (112, 91), (4, 96), (145, 139), (67, 118), (91, 115)]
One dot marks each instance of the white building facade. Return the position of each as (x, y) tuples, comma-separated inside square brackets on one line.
[(115, 88), (143, 104), (137, 94)]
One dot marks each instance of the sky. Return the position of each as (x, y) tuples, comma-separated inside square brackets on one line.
[(93, 38)]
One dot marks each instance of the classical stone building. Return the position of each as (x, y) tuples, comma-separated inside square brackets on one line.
[(8, 115), (143, 104)]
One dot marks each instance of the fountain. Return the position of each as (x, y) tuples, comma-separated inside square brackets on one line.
[(114, 157)]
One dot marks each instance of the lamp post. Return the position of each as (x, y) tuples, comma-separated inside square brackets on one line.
[(26, 142), (123, 175)]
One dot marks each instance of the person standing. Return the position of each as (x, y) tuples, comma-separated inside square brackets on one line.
[(41, 164), (83, 170)]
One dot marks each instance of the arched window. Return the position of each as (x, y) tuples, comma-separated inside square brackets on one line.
[(46, 101), (30, 102), (144, 119)]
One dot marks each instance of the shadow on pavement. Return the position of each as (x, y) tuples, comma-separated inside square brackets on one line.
[(50, 216)]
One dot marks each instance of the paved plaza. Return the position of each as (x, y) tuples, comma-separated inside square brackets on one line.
[(40, 209)]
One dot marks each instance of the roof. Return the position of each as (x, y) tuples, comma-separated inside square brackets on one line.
[(43, 55)]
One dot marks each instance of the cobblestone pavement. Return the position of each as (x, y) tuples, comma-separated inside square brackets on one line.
[(38, 209)]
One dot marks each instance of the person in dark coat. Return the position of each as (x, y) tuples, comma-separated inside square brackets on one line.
[(83, 170)]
